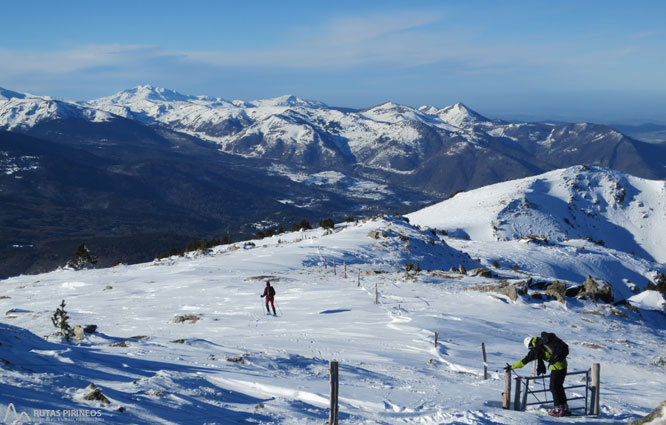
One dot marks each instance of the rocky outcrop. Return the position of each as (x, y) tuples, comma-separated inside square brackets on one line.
[(511, 290), (481, 271), (557, 290), (596, 289), (656, 417)]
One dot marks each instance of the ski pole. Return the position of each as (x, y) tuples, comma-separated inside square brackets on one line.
[(278, 307)]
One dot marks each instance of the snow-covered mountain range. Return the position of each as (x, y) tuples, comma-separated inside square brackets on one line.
[(400, 144), (185, 339)]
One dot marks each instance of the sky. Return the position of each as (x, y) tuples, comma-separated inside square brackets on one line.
[(601, 61)]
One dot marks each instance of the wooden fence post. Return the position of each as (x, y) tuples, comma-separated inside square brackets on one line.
[(335, 273), (485, 363), (516, 400), (506, 395), (345, 269), (376, 294), (436, 338), (358, 282), (333, 416), (594, 405)]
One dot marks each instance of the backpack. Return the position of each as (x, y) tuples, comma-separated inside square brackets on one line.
[(559, 350), (271, 291)]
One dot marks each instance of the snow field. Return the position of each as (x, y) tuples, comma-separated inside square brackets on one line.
[(237, 365)]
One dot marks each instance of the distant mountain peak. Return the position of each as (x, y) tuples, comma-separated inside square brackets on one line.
[(459, 114), (150, 93), (289, 100)]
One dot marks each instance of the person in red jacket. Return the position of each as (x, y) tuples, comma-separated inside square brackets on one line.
[(269, 293)]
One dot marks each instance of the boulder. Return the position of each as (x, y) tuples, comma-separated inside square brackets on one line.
[(505, 288), (377, 234), (557, 290), (95, 394), (481, 271), (596, 289), (90, 329), (79, 333)]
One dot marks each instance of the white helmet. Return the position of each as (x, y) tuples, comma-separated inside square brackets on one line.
[(528, 342)]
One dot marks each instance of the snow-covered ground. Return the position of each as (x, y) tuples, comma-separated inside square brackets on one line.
[(237, 365)]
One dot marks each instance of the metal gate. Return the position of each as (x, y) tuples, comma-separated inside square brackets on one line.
[(530, 386)]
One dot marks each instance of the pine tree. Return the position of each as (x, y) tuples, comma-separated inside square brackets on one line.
[(59, 320), (82, 258)]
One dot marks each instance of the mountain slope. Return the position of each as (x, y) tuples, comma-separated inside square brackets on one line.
[(185, 340), (624, 212), (131, 194)]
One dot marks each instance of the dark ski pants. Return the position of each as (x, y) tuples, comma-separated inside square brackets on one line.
[(272, 304), (557, 386)]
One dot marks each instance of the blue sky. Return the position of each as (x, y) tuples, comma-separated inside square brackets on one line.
[(602, 61)]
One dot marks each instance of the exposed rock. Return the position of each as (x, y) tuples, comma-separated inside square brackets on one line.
[(618, 313), (628, 306), (79, 333), (659, 283), (376, 234), (95, 394), (573, 291), (596, 289), (505, 288), (183, 318), (656, 417), (558, 287), (557, 290), (90, 329), (592, 345), (481, 271)]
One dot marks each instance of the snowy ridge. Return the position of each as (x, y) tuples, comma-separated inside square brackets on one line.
[(291, 126), (229, 363), (621, 211), (20, 110)]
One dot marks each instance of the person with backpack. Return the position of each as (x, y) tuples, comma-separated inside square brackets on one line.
[(552, 349), (269, 293)]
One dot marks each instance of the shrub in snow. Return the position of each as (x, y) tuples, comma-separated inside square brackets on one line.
[(59, 320)]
